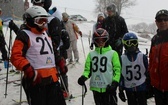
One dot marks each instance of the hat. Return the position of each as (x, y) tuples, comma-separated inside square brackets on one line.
[(161, 12), (100, 14), (65, 15)]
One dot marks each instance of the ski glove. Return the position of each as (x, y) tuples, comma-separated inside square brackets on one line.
[(91, 46), (32, 75), (62, 66), (81, 80), (122, 96), (80, 33), (111, 88), (118, 42)]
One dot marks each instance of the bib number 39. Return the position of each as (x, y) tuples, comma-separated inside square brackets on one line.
[(99, 64)]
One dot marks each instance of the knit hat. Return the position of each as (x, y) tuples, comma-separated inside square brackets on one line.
[(161, 12), (65, 15), (100, 14)]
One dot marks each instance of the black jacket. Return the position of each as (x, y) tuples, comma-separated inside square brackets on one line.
[(115, 26)]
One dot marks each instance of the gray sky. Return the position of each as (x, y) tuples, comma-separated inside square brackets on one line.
[(143, 11)]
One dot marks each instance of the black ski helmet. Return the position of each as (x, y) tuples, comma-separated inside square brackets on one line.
[(130, 42), (47, 4), (111, 7)]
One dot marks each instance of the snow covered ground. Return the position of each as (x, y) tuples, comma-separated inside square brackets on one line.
[(13, 91)]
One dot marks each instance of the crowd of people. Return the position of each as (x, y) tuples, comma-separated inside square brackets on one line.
[(47, 41)]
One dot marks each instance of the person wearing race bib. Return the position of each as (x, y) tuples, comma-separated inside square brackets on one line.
[(103, 68), (32, 53), (2, 41), (134, 72)]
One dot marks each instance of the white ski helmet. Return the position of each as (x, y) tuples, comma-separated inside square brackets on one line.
[(32, 13)]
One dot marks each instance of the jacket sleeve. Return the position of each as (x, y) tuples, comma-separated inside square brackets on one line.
[(19, 49), (87, 71), (54, 29), (76, 28), (116, 67)]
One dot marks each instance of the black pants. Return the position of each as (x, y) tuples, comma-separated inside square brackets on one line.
[(104, 98), (50, 94), (136, 98), (161, 98)]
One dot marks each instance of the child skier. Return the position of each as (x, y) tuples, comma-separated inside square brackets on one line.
[(134, 72), (103, 67)]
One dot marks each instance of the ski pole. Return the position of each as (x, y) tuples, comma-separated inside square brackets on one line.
[(84, 90), (66, 90), (83, 48), (21, 88), (10, 42)]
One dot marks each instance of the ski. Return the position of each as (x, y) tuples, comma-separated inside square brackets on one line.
[(73, 97), (18, 101)]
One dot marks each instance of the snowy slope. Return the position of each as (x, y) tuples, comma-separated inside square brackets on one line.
[(74, 73)]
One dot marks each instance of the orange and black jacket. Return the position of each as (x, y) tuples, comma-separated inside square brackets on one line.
[(18, 55), (158, 61)]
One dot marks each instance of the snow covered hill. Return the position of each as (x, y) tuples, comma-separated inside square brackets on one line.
[(13, 91)]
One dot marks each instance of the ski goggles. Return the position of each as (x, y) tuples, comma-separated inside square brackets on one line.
[(40, 21), (37, 1), (130, 43), (98, 40)]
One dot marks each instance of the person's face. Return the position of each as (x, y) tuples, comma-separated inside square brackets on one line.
[(64, 19), (110, 13), (162, 22), (101, 18)]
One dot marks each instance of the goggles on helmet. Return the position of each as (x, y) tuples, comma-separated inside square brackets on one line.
[(40, 21), (130, 43)]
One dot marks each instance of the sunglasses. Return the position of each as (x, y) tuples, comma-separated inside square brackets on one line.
[(162, 19), (130, 43), (40, 21)]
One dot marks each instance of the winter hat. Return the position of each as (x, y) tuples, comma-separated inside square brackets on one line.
[(65, 15), (161, 12), (100, 14)]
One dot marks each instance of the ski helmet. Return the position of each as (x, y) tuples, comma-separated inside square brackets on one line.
[(35, 16), (47, 4), (111, 7), (37, 1), (130, 41), (101, 37)]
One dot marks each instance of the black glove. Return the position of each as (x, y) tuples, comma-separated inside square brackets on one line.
[(122, 96), (111, 88), (118, 42), (12, 25), (91, 46), (81, 80)]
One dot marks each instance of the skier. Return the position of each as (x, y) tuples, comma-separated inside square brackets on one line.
[(32, 53), (2, 42), (97, 25), (134, 72), (116, 27), (103, 67), (72, 30)]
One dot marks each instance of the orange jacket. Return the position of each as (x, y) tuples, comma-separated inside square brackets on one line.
[(18, 56)]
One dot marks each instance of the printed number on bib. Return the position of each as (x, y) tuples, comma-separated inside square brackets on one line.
[(102, 63), (130, 70), (44, 41)]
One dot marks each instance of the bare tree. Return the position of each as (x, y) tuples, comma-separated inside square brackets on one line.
[(121, 4), (12, 8)]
